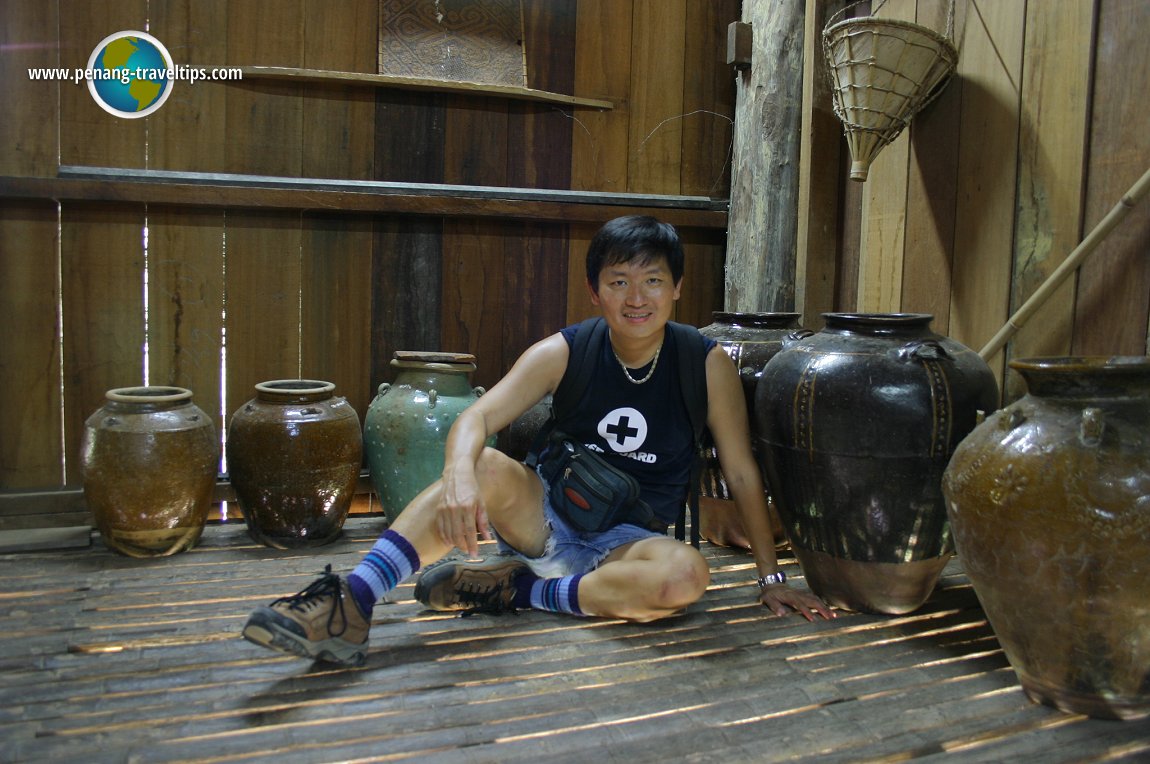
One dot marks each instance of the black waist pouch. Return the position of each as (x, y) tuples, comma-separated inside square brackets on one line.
[(588, 492)]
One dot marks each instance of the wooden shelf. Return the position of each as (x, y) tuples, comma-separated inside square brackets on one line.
[(352, 196), (324, 76)]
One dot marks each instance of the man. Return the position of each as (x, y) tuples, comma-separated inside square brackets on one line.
[(633, 413)]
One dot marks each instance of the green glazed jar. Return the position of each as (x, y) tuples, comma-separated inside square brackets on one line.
[(294, 456), (149, 458), (405, 429)]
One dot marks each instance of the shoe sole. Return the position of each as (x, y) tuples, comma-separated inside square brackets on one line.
[(263, 630)]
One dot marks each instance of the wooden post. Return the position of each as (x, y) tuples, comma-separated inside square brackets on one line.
[(763, 220)]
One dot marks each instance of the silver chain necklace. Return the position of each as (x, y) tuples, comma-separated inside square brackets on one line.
[(627, 374)]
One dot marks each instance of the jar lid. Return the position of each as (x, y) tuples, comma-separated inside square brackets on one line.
[(430, 356)]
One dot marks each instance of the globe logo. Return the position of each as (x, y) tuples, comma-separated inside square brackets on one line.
[(130, 74)]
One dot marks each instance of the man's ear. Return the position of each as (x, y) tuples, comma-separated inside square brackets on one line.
[(593, 294)]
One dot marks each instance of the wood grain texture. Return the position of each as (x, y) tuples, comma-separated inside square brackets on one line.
[(991, 42), (475, 151), (28, 32), (816, 238), (190, 131), (185, 303), (883, 241), (933, 177), (102, 305), (263, 281), (474, 280), (265, 118), (536, 255), (338, 138), (1113, 297), (31, 454), (655, 136), (88, 134), (1052, 154), (127, 657), (335, 300), (603, 65), (406, 282), (708, 99)]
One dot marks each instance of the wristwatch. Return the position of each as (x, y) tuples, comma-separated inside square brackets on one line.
[(772, 579)]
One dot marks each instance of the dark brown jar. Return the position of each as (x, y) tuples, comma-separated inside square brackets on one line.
[(149, 458), (1049, 502), (294, 455), (750, 339), (856, 424)]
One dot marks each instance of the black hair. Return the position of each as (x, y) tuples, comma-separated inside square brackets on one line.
[(634, 237)]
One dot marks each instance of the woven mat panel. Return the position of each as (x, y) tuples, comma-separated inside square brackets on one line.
[(457, 40)]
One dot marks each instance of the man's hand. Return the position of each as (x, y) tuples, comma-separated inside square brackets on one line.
[(782, 600), (461, 516)]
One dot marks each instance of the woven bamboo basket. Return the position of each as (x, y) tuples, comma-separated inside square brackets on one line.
[(883, 72)]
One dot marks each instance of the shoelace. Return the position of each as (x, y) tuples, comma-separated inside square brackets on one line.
[(327, 585), (481, 599)]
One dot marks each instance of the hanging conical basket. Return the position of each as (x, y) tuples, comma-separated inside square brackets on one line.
[(883, 71)]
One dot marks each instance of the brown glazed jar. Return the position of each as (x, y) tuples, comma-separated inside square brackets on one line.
[(294, 455), (1049, 502), (856, 424), (150, 459), (750, 339)]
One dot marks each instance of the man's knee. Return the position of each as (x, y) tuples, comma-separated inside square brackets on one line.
[(685, 577)]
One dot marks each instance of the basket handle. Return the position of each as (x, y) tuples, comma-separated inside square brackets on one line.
[(874, 9)]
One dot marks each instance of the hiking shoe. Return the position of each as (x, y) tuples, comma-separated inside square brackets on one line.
[(321, 622), (487, 586)]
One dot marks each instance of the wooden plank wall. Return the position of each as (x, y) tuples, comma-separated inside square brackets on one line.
[(966, 213), (323, 294)]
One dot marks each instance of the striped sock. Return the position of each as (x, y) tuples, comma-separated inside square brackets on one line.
[(390, 560), (557, 595)]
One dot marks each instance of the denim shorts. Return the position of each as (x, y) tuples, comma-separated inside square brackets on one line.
[(570, 551)]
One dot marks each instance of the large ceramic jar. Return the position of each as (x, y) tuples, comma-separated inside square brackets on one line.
[(856, 425), (405, 430), (1049, 501), (294, 456), (516, 439), (149, 458), (750, 339)]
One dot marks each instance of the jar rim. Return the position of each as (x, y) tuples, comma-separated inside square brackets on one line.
[(149, 394), (1104, 364), (295, 386), (881, 319)]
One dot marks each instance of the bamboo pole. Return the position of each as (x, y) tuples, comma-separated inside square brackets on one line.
[(1068, 266)]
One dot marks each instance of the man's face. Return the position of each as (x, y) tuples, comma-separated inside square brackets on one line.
[(636, 299)]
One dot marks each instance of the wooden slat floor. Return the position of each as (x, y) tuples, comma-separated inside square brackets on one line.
[(110, 659)]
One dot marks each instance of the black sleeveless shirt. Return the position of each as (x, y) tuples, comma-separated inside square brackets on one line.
[(644, 429)]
